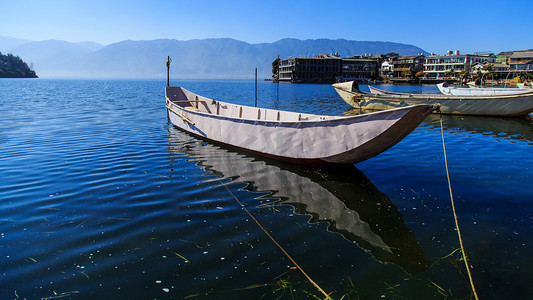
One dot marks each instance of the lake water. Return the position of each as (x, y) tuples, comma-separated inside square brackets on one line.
[(102, 198)]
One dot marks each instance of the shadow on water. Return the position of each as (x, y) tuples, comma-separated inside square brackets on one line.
[(517, 129), (344, 197), (512, 129)]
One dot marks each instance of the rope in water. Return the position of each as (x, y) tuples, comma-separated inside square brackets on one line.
[(455, 215), (279, 246)]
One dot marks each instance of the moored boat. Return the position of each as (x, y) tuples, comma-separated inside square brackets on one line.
[(507, 104), (525, 85), (447, 89), (290, 136)]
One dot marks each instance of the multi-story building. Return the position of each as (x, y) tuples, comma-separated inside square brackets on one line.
[(521, 61), (386, 68), (509, 63), (436, 66), (407, 66), (358, 69), (319, 69), (326, 69), (504, 57), (286, 69)]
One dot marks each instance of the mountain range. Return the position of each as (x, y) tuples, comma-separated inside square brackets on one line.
[(201, 58)]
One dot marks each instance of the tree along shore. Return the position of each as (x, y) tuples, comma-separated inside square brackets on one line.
[(13, 67)]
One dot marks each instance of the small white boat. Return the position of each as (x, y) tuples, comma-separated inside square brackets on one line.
[(447, 89), (508, 104), (525, 85), (289, 136)]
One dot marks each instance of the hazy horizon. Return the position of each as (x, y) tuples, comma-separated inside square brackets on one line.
[(434, 26), (222, 58)]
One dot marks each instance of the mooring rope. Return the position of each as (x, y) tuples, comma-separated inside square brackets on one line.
[(279, 246), (455, 215)]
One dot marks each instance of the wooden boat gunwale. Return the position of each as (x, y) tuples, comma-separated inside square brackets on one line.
[(304, 116)]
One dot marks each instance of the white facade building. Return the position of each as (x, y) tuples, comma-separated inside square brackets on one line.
[(437, 65), (386, 68)]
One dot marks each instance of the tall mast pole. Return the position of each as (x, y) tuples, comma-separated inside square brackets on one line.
[(168, 70)]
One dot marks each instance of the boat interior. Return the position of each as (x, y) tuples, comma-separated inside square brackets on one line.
[(177, 96)]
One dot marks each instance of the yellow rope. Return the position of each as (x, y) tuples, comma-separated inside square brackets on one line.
[(455, 215), (279, 246)]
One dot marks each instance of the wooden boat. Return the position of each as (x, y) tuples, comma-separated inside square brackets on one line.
[(289, 136), (510, 104)]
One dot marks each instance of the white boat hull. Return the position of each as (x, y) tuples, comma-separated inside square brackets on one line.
[(516, 104), (446, 89), (298, 138)]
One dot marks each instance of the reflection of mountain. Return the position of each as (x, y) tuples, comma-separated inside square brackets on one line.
[(518, 129), (346, 198)]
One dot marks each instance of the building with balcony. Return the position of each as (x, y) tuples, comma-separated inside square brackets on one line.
[(386, 68), (437, 66), (521, 61), (407, 66), (286, 69)]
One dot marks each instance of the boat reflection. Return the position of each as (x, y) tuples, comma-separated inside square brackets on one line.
[(512, 129), (343, 197)]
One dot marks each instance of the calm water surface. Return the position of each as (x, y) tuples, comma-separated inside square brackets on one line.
[(101, 198)]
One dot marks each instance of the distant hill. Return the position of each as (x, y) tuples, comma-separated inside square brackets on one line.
[(205, 58), (8, 43), (13, 67), (48, 57)]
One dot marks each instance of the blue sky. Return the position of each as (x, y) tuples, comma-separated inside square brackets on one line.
[(435, 26)]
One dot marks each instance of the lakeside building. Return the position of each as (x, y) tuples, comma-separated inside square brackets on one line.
[(358, 69), (504, 57), (331, 68), (501, 69), (386, 69), (510, 63), (407, 66), (402, 68), (521, 61), (326, 68), (437, 66), (317, 69)]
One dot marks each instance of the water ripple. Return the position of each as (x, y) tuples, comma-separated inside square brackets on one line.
[(102, 198)]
